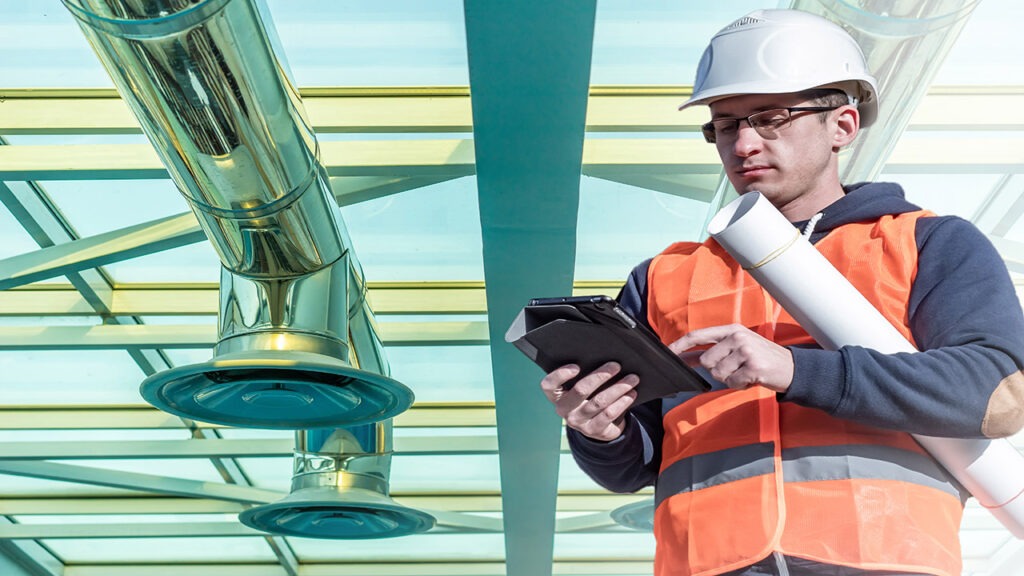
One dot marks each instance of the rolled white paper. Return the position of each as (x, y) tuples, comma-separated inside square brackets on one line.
[(835, 314)]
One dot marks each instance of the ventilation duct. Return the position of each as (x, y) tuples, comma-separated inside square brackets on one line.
[(207, 84), (340, 478), (340, 489), (905, 43)]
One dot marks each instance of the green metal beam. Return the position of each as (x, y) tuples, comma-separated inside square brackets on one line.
[(138, 481), (421, 445), (179, 529), (448, 159), (145, 417), (561, 568), (74, 255), (405, 158), (447, 110), (198, 299), (185, 336), (447, 522), (699, 187), (529, 70), (99, 250), (27, 557), (599, 500), (37, 214)]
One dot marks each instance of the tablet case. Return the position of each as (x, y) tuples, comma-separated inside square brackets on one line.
[(589, 331)]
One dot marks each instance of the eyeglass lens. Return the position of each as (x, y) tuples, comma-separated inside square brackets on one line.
[(766, 123)]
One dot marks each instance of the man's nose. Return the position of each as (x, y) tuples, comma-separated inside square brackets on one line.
[(747, 140)]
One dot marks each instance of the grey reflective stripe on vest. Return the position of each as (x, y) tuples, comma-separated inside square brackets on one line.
[(804, 464), (851, 461), (707, 470)]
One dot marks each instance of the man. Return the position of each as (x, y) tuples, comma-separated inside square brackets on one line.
[(800, 460)]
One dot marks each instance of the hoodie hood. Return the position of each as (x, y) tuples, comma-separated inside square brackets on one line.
[(865, 201)]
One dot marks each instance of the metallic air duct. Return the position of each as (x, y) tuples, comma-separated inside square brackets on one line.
[(340, 489), (340, 478), (905, 43), (211, 92)]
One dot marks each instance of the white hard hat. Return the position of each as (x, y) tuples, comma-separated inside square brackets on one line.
[(782, 51)]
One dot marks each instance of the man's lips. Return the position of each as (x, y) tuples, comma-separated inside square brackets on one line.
[(752, 171)]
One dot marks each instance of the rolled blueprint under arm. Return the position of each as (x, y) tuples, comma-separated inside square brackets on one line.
[(835, 314)]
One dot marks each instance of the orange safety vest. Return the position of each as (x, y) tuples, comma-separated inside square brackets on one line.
[(744, 476)]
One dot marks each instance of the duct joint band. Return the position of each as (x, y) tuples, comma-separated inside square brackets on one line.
[(340, 479), (149, 27), (775, 253), (268, 209)]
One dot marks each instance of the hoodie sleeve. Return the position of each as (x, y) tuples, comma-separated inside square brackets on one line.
[(967, 320), (631, 461)]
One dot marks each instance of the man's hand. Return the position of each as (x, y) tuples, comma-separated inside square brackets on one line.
[(740, 358), (601, 417)]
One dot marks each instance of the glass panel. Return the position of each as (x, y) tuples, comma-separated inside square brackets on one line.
[(388, 42), (619, 545), (186, 468), (430, 474), (430, 233), (621, 225), (193, 263), (977, 57), (43, 47), (186, 357), (96, 206), (947, 194), (657, 42), (444, 373), (383, 43), (418, 548), (93, 435), (86, 377), (268, 473), (14, 239), (124, 518), (27, 487)]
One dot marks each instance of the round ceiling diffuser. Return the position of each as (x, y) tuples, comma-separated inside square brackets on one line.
[(276, 390), (351, 513)]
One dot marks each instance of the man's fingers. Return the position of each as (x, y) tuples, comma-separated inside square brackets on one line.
[(703, 336), (602, 416), (604, 399), (598, 415), (553, 383), (586, 385)]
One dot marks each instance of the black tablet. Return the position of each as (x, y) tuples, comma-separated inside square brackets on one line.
[(591, 330)]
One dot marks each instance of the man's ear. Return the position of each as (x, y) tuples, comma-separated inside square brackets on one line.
[(847, 126)]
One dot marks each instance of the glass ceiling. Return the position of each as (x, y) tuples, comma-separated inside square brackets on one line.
[(94, 480)]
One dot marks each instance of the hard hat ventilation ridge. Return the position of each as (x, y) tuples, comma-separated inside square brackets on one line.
[(744, 21)]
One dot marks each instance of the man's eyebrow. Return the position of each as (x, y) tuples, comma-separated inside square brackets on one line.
[(718, 116)]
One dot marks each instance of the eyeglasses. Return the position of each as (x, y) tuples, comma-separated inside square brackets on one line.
[(766, 122)]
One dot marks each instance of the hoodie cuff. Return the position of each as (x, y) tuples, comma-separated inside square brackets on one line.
[(625, 447), (819, 379)]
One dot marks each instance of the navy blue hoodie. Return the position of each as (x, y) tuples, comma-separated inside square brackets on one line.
[(964, 315)]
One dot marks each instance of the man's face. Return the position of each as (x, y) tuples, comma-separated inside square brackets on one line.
[(784, 164)]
